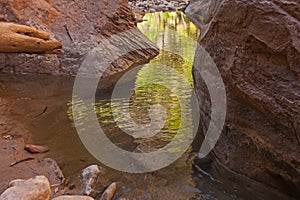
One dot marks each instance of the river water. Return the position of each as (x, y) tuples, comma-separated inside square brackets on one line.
[(33, 94)]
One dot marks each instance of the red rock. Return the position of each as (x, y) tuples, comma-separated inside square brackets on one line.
[(109, 193), (31, 148), (256, 47), (81, 26)]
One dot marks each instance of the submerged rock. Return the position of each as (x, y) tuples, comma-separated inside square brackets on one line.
[(31, 148), (52, 171), (110, 192), (83, 183), (37, 188), (89, 178), (256, 47)]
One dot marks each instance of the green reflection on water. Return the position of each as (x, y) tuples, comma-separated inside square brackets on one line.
[(172, 31), (159, 22)]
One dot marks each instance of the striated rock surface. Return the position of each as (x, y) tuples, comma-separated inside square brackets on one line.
[(81, 26), (256, 47), (37, 188)]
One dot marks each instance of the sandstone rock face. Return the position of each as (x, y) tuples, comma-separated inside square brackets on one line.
[(256, 47), (81, 26), (37, 188)]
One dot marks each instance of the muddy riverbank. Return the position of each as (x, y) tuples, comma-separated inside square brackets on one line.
[(16, 162)]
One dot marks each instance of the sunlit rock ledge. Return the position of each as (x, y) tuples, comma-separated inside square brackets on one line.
[(81, 26)]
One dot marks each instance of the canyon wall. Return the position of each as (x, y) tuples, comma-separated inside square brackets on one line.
[(81, 26), (256, 46)]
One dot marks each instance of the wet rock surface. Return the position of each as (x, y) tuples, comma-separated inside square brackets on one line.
[(110, 192), (151, 6), (256, 47), (81, 26), (81, 183), (89, 178), (31, 148)]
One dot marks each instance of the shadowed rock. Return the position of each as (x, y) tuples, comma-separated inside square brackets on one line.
[(256, 47)]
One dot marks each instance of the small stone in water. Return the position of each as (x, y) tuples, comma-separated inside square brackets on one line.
[(31, 148), (89, 178), (109, 193)]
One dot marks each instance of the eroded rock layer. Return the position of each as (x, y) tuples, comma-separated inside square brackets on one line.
[(256, 47), (81, 26)]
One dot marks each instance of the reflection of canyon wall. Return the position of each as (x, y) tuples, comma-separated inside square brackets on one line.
[(256, 47), (80, 25)]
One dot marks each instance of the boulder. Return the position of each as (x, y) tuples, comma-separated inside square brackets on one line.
[(256, 47), (81, 26), (37, 188)]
